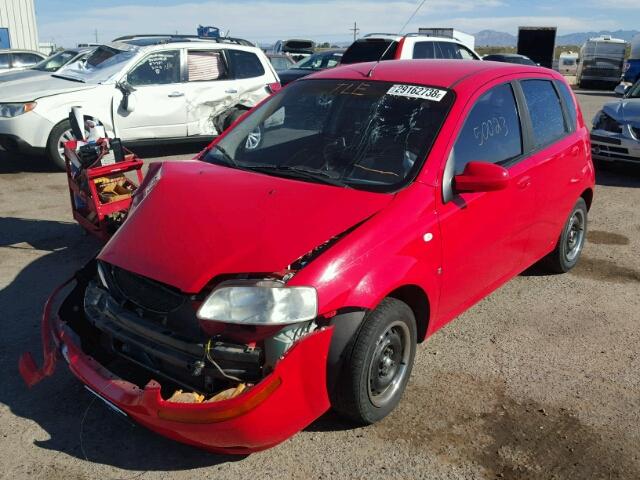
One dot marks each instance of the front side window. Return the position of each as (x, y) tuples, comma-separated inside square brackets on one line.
[(545, 111), (205, 66), (158, 68), (491, 132), (245, 64), (362, 134)]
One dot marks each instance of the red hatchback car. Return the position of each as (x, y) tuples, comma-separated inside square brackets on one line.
[(294, 265)]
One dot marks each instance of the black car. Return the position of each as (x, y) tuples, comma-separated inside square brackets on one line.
[(313, 63), (509, 58)]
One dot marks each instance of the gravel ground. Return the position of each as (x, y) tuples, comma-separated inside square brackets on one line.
[(539, 380)]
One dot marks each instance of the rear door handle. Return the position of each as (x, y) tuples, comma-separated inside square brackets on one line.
[(523, 183), (176, 94), (231, 90)]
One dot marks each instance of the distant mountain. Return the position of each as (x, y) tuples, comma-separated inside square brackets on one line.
[(494, 38)]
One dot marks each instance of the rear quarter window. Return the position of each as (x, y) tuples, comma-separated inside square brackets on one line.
[(545, 111), (245, 64), (570, 105)]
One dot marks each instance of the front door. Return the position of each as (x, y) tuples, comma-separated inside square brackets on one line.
[(160, 109), (484, 234)]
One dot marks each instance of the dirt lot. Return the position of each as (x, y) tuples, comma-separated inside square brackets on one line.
[(540, 380)]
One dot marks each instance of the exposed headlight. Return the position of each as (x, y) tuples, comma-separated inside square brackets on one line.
[(260, 303), (8, 110), (602, 121)]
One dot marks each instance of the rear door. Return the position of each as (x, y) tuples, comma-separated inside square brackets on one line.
[(556, 159), (484, 234), (209, 89), (160, 105)]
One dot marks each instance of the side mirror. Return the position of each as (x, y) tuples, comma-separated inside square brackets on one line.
[(481, 177), (130, 102), (621, 89)]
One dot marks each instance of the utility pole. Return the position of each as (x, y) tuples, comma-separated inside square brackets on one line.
[(355, 30), (96, 33)]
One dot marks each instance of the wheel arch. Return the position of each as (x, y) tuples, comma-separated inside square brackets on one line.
[(418, 301), (587, 195)]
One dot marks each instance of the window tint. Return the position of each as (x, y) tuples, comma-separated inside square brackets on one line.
[(545, 111), (567, 98), (447, 50), (205, 66), (424, 50), (370, 51), (4, 61), (245, 64), (25, 59), (157, 69), (491, 133)]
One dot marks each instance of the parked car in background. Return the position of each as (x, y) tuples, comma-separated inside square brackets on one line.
[(280, 62), (509, 58), (49, 65), (374, 46), (257, 286), (615, 135), (171, 90), (601, 61), (14, 59), (295, 48), (317, 61)]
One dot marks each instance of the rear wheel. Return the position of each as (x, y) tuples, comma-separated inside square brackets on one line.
[(379, 364), (571, 242), (55, 145)]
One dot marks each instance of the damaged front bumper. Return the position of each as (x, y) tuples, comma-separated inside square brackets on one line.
[(285, 401)]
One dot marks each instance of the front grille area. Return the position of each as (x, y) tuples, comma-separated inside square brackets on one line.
[(145, 293)]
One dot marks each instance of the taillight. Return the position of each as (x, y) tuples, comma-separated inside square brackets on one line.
[(274, 88)]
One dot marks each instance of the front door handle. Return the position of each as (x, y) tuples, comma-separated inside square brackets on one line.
[(523, 183), (231, 90), (176, 94)]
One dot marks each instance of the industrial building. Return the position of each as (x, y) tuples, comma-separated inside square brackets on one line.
[(18, 24)]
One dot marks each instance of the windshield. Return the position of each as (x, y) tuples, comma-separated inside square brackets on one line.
[(361, 134), (100, 66), (319, 61), (55, 62), (370, 51)]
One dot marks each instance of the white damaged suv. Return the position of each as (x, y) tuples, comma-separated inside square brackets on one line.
[(143, 90)]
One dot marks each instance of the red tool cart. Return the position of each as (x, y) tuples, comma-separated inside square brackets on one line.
[(100, 194)]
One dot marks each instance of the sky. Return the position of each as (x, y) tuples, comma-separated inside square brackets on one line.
[(67, 22)]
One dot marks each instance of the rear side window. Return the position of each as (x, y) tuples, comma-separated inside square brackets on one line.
[(4, 61), (370, 51), (424, 50), (567, 98), (245, 64), (491, 133), (25, 59), (545, 111), (157, 69), (205, 66)]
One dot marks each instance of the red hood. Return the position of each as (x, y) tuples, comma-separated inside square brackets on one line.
[(202, 220)]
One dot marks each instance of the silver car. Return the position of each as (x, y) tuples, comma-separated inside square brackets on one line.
[(616, 129)]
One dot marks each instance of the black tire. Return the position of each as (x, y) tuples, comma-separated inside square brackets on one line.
[(360, 394), (571, 242), (52, 144)]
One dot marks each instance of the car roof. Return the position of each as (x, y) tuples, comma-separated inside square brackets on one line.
[(514, 55), (398, 36), (20, 50), (436, 73)]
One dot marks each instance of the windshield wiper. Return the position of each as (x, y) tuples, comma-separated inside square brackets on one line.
[(299, 171), (227, 158)]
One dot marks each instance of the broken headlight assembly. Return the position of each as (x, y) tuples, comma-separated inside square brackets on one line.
[(261, 302), (602, 121)]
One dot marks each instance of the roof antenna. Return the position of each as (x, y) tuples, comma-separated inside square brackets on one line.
[(370, 72)]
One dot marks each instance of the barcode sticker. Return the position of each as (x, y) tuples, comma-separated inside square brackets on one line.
[(416, 91)]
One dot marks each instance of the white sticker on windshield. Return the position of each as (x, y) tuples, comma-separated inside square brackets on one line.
[(416, 91)]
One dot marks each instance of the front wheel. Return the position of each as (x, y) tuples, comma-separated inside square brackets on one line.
[(571, 242), (378, 367), (60, 134)]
